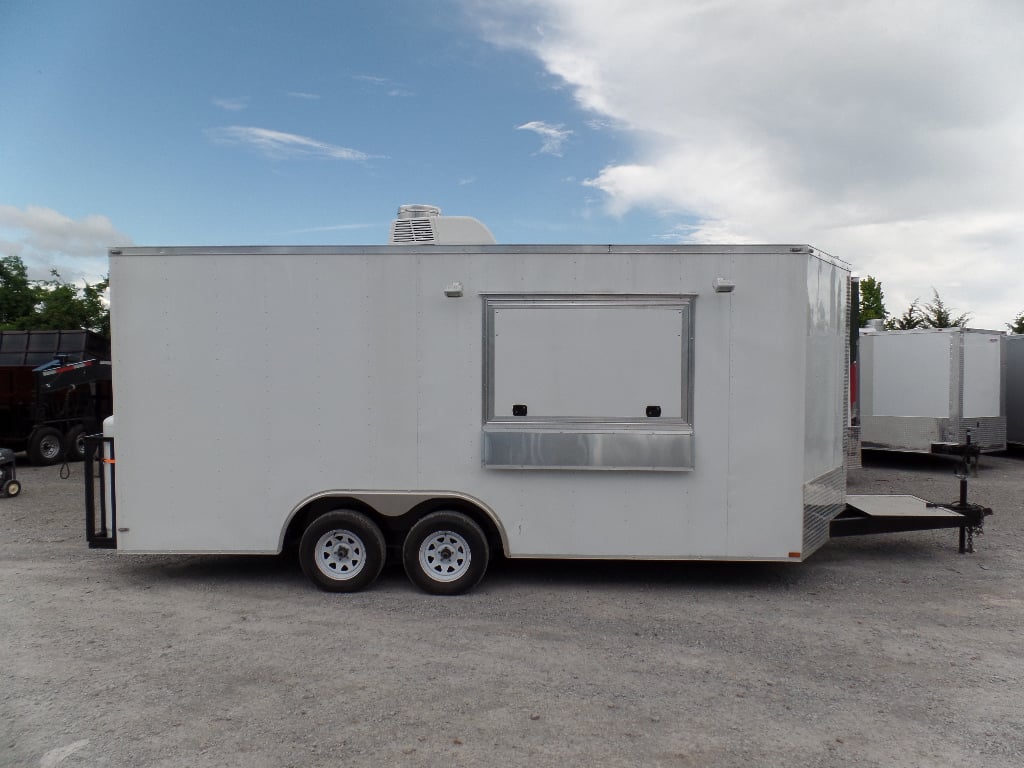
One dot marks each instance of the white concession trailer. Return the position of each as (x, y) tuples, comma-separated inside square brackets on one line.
[(446, 399), (926, 390)]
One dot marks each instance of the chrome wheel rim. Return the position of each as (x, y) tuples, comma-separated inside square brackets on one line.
[(49, 447), (340, 555), (445, 556)]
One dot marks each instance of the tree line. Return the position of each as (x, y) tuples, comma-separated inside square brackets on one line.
[(934, 314), (49, 305)]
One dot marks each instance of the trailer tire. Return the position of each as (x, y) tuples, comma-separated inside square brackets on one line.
[(445, 553), (342, 551), (46, 446), (74, 444), (12, 488)]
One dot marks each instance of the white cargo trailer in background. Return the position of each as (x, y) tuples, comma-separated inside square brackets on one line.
[(1015, 389), (925, 390), (449, 400)]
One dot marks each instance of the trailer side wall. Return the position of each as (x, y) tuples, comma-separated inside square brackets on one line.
[(350, 370)]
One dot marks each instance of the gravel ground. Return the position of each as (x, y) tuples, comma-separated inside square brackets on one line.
[(889, 650)]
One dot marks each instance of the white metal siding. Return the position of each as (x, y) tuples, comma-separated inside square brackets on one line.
[(983, 384), (910, 374), (825, 369), (247, 381)]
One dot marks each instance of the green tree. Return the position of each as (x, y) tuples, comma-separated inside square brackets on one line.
[(872, 300), (49, 305), (62, 305), (17, 295), (910, 319), (1017, 326), (938, 315)]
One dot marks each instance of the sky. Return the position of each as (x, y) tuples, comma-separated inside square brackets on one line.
[(890, 135)]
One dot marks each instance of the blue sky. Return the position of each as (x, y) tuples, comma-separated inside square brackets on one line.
[(892, 137)]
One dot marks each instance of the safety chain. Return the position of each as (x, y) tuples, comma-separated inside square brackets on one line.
[(975, 511), (969, 466), (972, 531)]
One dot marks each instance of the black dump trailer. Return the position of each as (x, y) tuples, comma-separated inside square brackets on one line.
[(54, 389)]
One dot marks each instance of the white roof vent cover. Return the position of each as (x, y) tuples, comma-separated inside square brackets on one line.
[(424, 225)]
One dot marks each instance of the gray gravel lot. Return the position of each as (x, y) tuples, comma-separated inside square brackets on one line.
[(887, 650)]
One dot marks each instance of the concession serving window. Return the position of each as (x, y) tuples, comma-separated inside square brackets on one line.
[(588, 382)]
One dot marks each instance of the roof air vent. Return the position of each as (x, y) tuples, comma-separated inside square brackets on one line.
[(418, 211), (420, 230), (424, 224)]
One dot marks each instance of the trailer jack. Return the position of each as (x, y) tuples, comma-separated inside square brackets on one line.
[(974, 512)]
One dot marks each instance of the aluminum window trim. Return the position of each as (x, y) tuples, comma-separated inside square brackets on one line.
[(684, 303)]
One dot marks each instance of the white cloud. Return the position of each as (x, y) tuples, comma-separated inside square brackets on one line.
[(395, 90), (891, 134), (552, 136), (305, 96), (234, 104), (280, 145), (46, 239)]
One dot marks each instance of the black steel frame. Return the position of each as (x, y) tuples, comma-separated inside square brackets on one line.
[(8, 468), (99, 453), (854, 522)]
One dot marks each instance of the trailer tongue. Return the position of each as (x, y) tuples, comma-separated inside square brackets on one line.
[(895, 514), (898, 513)]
